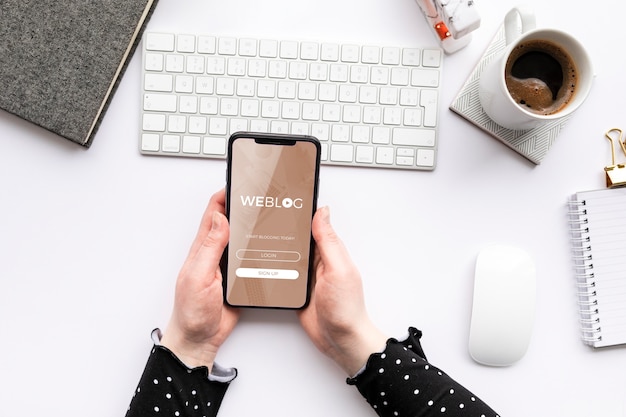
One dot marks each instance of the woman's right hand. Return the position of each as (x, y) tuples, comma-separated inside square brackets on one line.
[(336, 319)]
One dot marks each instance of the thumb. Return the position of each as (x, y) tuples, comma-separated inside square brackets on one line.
[(328, 242), (213, 244)]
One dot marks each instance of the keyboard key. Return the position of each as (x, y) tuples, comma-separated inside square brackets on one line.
[(372, 115), (321, 131), (365, 154), (206, 44), (158, 82), (349, 93), (327, 92), (236, 66), (384, 155), (298, 128), (277, 69), (225, 86), (339, 73), (405, 160), (307, 91), (412, 117), (388, 95), (268, 48), (184, 84), (218, 125), (350, 53), (197, 125), (208, 105), (160, 102), (257, 125), (413, 137), (428, 100), (360, 134), (318, 72), (257, 68), (176, 123), (432, 58), (266, 89), (185, 43), (425, 157), (341, 153), (288, 50), (340, 133), (171, 143), (270, 109), (331, 112), (370, 54), (368, 94), (191, 144), (247, 47), (409, 97), (216, 65), (352, 114), (246, 87), (411, 57), (250, 108), (309, 51), (359, 74), (391, 56), (213, 146), (381, 135), (174, 63), (424, 78), (150, 142), (153, 62), (329, 52), (160, 42), (287, 90), (227, 46), (238, 125), (324, 153), (311, 111)]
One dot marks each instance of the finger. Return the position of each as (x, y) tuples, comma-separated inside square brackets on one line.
[(212, 247), (216, 204), (331, 248)]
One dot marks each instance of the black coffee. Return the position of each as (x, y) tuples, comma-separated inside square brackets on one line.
[(540, 76)]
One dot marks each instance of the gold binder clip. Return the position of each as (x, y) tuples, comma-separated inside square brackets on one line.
[(615, 173)]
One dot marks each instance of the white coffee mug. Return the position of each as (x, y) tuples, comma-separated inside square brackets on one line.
[(494, 95)]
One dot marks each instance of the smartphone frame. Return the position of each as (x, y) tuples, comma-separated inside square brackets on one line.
[(279, 140)]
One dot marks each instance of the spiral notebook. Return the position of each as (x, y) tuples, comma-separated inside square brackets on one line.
[(598, 237)]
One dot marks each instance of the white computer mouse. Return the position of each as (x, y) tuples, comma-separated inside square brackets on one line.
[(503, 309)]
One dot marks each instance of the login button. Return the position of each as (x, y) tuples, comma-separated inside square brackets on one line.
[(267, 255)]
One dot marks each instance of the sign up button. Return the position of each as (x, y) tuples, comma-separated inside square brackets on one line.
[(267, 273)]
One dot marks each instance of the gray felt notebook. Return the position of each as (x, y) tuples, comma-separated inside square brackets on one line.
[(61, 60)]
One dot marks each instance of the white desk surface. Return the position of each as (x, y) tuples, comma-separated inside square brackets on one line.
[(91, 241)]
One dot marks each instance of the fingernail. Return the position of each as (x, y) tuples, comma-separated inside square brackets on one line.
[(216, 221), (325, 212)]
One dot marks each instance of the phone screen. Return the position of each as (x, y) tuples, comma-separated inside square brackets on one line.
[(271, 199)]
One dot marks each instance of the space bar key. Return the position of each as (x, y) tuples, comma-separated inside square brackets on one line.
[(413, 137)]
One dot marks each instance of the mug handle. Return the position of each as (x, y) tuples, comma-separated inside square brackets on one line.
[(512, 19)]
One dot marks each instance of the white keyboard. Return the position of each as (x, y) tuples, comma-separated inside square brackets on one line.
[(370, 106)]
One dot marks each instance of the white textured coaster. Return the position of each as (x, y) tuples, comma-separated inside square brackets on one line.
[(533, 143)]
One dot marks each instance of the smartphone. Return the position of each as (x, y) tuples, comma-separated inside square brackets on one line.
[(271, 196)]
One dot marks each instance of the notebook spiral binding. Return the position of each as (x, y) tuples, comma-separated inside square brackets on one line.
[(583, 272)]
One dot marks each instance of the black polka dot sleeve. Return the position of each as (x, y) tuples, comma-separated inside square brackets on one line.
[(169, 388), (400, 382)]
